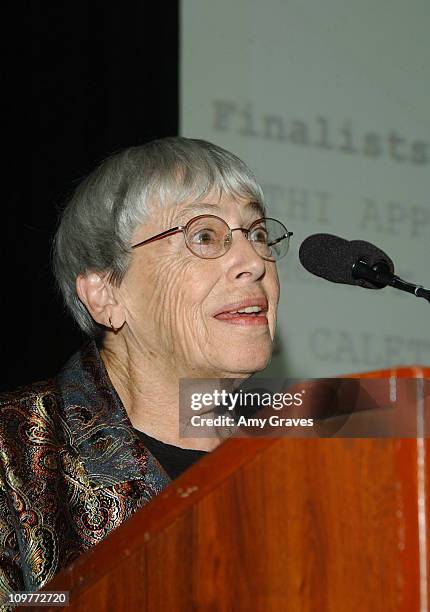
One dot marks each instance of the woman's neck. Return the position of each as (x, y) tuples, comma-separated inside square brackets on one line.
[(149, 392)]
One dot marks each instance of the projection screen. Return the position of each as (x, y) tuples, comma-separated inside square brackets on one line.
[(328, 102)]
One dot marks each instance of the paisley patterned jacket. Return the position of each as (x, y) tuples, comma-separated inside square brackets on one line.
[(72, 469)]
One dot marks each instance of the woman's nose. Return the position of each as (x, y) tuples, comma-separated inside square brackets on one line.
[(245, 257)]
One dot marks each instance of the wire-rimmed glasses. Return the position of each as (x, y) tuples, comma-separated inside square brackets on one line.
[(210, 237)]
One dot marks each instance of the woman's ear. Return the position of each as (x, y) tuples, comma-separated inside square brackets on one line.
[(100, 298)]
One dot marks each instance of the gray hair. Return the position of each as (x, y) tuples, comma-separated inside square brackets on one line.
[(97, 224)]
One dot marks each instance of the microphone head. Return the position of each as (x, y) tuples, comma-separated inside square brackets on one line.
[(332, 258)]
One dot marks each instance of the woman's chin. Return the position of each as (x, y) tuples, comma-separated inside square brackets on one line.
[(243, 365)]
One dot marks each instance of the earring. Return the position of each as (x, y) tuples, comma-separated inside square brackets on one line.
[(112, 327)]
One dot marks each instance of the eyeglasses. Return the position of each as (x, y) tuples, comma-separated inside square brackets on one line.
[(209, 237)]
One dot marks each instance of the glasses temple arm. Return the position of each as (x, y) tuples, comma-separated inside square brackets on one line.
[(169, 232), (287, 235)]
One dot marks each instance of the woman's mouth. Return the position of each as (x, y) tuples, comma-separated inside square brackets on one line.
[(250, 315)]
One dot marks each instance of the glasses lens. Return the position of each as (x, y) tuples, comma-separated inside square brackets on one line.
[(269, 238), (208, 237)]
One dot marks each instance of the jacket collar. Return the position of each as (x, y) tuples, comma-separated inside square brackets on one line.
[(99, 427)]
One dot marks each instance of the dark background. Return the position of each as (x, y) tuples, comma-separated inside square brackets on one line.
[(102, 78)]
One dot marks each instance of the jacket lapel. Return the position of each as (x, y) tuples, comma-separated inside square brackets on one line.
[(99, 427)]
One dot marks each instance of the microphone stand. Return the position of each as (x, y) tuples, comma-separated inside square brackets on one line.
[(380, 275)]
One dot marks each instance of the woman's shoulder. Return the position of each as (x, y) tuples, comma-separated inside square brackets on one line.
[(28, 391), (28, 398), (30, 420)]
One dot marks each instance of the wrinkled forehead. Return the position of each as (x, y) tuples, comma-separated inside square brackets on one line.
[(249, 209), (178, 208)]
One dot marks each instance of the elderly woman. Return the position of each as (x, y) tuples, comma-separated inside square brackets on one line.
[(166, 260)]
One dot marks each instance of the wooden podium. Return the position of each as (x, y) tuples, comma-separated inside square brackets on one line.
[(317, 525)]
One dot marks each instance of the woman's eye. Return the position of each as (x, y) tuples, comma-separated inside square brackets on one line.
[(203, 237), (259, 234)]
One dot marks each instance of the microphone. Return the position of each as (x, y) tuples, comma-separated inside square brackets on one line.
[(353, 262)]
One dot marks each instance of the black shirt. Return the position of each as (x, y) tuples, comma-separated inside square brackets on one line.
[(173, 459)]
